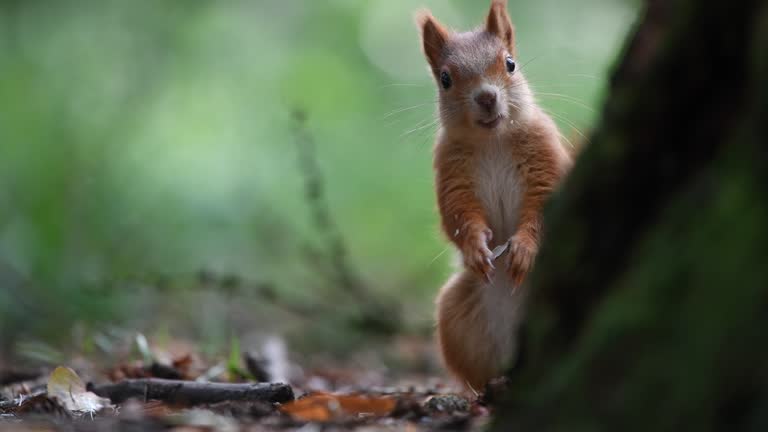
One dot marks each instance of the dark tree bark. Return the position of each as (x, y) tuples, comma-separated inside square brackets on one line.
[(650, 304)]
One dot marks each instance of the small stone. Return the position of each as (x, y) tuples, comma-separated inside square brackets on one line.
[(446, 403)]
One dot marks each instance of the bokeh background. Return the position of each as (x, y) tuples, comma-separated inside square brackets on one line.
[(200, 169)]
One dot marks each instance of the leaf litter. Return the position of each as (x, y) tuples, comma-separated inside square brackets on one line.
[(336, 398)]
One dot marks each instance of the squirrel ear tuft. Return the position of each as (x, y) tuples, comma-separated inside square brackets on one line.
[(433, 37), (500, 24)]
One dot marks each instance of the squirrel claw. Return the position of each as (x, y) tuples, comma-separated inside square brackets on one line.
[(477, 256), (520, 259)]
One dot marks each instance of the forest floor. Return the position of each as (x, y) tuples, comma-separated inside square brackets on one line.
[(178, 389)]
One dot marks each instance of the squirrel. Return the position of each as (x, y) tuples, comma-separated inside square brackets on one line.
[(497, 158)]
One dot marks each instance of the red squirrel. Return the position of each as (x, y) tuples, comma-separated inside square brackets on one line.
[(497, 158)]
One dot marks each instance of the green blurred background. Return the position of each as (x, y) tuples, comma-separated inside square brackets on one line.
[(150, 163)]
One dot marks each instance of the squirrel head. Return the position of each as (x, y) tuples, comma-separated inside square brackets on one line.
[(479, 84)]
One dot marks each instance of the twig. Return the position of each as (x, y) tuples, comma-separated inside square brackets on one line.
[(314, 191), (375, 313), (191, 392)]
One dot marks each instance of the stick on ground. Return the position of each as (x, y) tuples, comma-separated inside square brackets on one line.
[(192, 392)]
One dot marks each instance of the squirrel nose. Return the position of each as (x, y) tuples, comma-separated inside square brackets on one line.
[(486, 99)]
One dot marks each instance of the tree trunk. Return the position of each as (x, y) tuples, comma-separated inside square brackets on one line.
[(650, 305)]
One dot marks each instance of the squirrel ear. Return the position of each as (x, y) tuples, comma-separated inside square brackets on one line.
[(500, 24), (433, 37)]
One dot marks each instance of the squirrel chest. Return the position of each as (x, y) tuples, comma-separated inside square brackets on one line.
[(498, 187)]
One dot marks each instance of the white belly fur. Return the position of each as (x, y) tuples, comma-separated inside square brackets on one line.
[(499, 189)]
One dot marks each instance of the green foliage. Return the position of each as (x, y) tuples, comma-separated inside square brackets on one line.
[(234, 361), (144, 141)]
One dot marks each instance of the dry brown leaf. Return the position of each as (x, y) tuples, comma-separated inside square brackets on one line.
[(322, 407), (183, 364), (68, 388), (127, 370)]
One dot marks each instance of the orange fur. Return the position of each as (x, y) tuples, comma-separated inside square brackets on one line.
[(499, 24), (433, 37), (494, 172)]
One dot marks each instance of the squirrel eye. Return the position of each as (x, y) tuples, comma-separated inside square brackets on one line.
[(510, 64), (445, 80)]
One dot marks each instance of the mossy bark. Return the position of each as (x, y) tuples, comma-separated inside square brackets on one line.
[(650, 305)]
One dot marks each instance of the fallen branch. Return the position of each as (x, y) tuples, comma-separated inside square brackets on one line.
[(13, 376), (192, 392)]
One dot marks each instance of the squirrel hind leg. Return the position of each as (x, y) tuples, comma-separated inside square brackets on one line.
[(463, 334)]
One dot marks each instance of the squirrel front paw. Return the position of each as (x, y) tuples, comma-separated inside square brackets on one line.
[(520, 257), (477, 255)]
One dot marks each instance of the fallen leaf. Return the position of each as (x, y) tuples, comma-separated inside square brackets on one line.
[(130, 370), (322, 407), (69, 390), (135, 410), (41, 404), (183, 364)]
